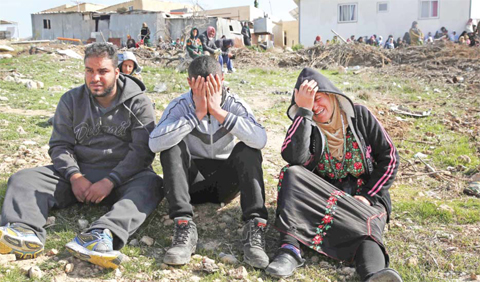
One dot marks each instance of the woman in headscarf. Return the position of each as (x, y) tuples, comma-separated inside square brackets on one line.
[(194, 45), (333, 196), (318, 40), (416, 35), (145, 34)]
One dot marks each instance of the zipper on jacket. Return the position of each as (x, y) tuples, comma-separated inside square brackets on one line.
[(210, 132)]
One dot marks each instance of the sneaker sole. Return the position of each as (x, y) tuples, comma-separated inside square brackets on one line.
[(173, 260), (386, 275), (111, 259), (23, 249)]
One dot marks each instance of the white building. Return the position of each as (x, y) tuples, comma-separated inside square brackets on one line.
[(381, 17)]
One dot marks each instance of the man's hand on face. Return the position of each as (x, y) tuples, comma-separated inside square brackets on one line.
[(199, 96), (214, 89), (80, 186), (98, 191)]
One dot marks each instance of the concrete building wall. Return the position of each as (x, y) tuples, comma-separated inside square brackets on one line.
[(70, 25), (125, 24), (290, 33), (242, 13), (318, 17), (149, 5)]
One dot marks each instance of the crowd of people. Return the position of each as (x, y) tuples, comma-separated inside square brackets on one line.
[(196, 44), (470, 37)]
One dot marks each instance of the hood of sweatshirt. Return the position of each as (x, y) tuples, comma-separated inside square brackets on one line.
[(324, 85), (130, 56)]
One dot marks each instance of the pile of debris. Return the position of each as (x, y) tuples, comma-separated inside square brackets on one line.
[(346, 55)]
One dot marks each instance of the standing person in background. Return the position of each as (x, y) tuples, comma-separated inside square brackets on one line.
[(247, 36), (145, 34), (194, 45), (416, 35)]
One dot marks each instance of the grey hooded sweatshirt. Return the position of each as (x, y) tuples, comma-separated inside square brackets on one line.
[(87, 137)]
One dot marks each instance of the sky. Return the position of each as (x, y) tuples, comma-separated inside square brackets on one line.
[(20, 10)]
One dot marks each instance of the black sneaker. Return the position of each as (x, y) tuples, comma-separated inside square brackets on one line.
[(184, 243), (284, 263), (254, 243), (385, 275)]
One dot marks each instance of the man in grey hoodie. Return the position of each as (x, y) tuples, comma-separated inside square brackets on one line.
[(99, 149), (202, 163)]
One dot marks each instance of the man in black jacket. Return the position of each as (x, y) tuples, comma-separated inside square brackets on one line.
[(99, 149), (209, 46)]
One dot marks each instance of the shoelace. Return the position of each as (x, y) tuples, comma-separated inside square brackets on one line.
[(258, 236), (181, 233), (98, 233)]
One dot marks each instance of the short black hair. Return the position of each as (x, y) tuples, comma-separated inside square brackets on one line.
[(204, 66), (102, 50)]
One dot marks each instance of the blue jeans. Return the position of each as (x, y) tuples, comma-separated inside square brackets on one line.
[(227, 60)]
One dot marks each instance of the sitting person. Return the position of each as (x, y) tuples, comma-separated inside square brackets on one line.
[(351, 40), (177, 44), (318, 41), (130, 66), (130, 42), (360, 40), (389, 44), (99, 149), (225, 45), (194, 45), (399, 43), (209, 46), (333, 196), (202, 162)]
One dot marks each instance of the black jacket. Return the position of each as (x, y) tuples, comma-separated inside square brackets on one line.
[(224, 45), (304, 143), (208, 44)]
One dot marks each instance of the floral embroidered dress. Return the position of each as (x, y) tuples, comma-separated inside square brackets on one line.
[(340, 170)]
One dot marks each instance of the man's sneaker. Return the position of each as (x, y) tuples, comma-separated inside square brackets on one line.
[(20, 241), (254, 243), (284, 263), (184, 242), (96, 246)]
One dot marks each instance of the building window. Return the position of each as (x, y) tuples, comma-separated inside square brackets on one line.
[(347, 13), (130, 8), (428, 9), (46, 24), (382, 7)]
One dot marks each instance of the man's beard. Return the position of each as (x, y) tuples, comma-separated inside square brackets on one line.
[(108, 91)]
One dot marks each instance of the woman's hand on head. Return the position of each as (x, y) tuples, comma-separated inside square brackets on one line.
[(362, 199), (305, 95)]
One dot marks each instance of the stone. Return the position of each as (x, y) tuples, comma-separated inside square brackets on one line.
[(314, 259), (40, 84), (2, 98), (238, 273), (20, 162), (163, 266), (412, 261), (56, 88), (118, 273), (7, 258), (62, 262), (52, 252), (50, 220), (168, 222), (35, 273), (82, 224), (68, 267), (346, 271), (147, 240), (20, 130), (195, 278), (133, 242), (227, 219), (197, 257), (446, 207), (30, 84), (227, 258)]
